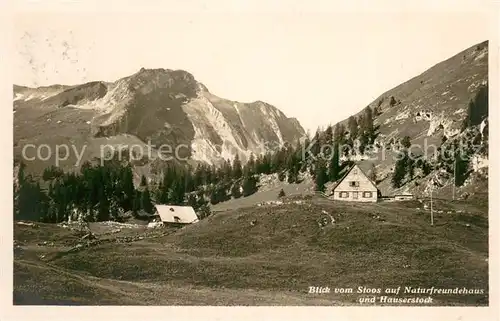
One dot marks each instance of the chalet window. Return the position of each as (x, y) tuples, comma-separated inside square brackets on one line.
[(177, 219), (171, 209), (367, 194), (343, 194), (353, 184)]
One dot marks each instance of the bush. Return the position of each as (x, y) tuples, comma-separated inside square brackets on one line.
[(235, 190), (51, 173), (393, 101), (203, 212), (249, 185)]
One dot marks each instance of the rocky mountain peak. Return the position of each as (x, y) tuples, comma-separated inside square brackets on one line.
[(158, 106)]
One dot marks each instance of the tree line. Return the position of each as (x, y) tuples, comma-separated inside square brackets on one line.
[(102, 191), (450, 157)]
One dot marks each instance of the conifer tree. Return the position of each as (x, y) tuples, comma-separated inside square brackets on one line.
[(320, 176), (249, 185), (126, 187), (136, 206), (176, 192), (235, 190), (51, 173), (393, 101), (250, 165), (146, 203), (304, 154), (32, 202), (333, 165), (366, 132), (191, 200), (405, 142), (399, 171), (481, 102), (364, 140), (103, 214), (352, 125), (144, 181), (461, 164), (188, 182), (477, 109), (373, 173), (219, 193), (18, 186), (339, 134), (237, 170), (264, 164), (293, 177), (281, 175), (213, 196), (227, 170), (199, 176), (368, 119), (20, 173), (316, 144), (411, 168), (328, 136), (293, 167), (212, 175)]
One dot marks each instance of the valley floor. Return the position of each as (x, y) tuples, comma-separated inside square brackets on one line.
[(260, 255)]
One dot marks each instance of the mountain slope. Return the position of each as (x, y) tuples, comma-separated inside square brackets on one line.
[(160, 106), (430, 108)]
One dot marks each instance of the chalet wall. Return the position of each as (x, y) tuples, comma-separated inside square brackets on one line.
[(355, 187)]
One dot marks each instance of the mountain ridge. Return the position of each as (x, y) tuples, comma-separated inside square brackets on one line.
[(163, 106), (430, 109)]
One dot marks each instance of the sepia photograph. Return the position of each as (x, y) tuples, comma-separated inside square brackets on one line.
[(251, 154)]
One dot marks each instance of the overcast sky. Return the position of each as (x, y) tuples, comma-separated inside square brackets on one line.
[(319, 63)]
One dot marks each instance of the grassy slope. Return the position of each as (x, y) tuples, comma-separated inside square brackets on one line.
[(227, 260), (264, 195)]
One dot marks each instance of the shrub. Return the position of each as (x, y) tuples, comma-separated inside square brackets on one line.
[(235, 190), (393, 101), (282, 176)]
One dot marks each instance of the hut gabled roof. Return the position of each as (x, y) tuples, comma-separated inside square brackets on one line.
[(347, 173), (176, 214)]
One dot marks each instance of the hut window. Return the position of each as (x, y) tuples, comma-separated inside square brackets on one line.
[(367, 194), (171, 209), (353, 184), (177, 219), (343, 194)]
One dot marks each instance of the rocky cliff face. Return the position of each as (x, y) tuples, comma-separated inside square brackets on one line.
[(430, 108), (160, 106)]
